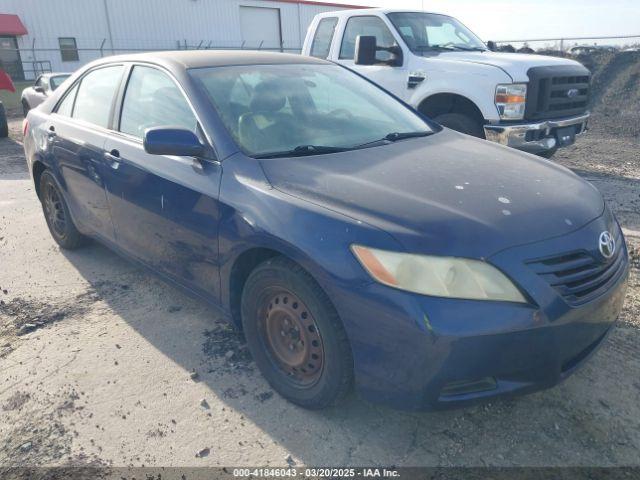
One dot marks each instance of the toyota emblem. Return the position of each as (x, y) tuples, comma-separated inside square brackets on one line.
[(606, 244)]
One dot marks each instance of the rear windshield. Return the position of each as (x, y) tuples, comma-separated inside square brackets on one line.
[(276, 108)]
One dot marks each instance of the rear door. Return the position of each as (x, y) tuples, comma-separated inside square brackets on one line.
[(165, 208), (77, 131)]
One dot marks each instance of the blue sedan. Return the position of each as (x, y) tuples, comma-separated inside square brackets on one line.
[(351, 239)]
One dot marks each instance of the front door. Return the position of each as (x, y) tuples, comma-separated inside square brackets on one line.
[(165, 208), (391, 78)]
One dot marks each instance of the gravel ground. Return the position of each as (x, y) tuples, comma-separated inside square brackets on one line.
[(103, 364)]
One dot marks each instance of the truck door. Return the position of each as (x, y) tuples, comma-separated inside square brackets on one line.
[(392, 78)]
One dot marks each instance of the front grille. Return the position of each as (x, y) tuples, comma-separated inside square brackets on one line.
[(548, 92), (579, 276)]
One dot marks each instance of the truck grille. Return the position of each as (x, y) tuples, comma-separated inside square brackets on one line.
[(579, 276), (556, 92)]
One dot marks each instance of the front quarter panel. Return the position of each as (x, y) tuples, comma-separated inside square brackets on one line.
[(255, 215), (474, 81)]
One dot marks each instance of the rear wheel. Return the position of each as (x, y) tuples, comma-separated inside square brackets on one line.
[(4, 126), (460, 123), (56, 213), (295, 336), (25, 107)]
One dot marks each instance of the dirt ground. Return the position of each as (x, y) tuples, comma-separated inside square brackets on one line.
[(97, 362)]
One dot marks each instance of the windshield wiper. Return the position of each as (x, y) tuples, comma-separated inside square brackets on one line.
[(394, 137), (302, 151)]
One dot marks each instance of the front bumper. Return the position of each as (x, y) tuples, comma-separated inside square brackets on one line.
[(538, 137), (418, 352)]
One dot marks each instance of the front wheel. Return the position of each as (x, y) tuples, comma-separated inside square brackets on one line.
[(460, 123), (548, 153), (295, 336)]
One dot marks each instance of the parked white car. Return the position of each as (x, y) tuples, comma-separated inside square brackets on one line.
[(42, 88), (434, 63)]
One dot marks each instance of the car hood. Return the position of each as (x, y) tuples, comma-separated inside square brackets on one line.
[(446, 194), (514, 64)]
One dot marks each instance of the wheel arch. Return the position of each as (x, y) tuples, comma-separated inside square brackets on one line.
[(37, 169), (446, 102)]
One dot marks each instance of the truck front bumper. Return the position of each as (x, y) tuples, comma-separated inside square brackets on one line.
[(538, 137)]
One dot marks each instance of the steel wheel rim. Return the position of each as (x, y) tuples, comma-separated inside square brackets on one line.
[(54, 210), (290, 334)]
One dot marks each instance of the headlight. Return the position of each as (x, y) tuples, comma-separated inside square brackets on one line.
[(438, 276), (510, 100)]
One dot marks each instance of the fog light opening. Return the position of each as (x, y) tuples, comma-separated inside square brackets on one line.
[(465, 387)]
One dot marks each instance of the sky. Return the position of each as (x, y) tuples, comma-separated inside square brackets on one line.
[(526, 19)]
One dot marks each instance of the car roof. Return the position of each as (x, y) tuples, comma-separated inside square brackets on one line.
[(213, 58), (369, 11)]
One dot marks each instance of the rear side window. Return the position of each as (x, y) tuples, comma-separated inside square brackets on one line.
[(95, 95), (371, 26), (152, 99), (66, 106), (322, 39)]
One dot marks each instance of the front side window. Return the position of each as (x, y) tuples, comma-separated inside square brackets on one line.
[(152, 99), (95, 95), (276, 108), (322, 39), (68, 49), (432, 32), (369, 26)]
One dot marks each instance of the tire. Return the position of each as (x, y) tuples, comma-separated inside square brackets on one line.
[(4, 126), (56, 213), (461, 123), (548, 153), (311, 363), (25, 108)]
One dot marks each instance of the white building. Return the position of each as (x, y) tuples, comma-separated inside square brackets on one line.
[(62, 35)]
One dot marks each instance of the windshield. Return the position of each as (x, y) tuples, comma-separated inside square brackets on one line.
[(57, 81), (432, 32), (304, 108)]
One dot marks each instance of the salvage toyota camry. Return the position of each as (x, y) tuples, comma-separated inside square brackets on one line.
[(351, 239)]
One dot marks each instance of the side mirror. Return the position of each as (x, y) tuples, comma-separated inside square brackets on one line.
[(491, 45), (365, 52), (39, 88), (172, 141)]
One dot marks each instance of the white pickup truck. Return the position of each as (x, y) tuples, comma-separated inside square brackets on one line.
[(434, 63)]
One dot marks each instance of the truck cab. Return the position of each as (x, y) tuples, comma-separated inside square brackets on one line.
[(437, 65)]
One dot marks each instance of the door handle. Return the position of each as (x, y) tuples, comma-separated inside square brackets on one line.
[(113, 157)]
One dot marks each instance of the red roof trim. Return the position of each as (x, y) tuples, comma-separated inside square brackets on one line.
[(11, 25), (321, 4)]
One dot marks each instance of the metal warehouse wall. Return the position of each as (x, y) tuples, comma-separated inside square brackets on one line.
[(128, 25)]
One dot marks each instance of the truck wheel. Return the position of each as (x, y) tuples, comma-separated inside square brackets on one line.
[(295, 335), (4, 126), (25, 108), (460, 123), (548, 153), (56, 213)]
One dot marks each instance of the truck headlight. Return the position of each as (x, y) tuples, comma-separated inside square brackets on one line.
[(438, 276), (510, 100)]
